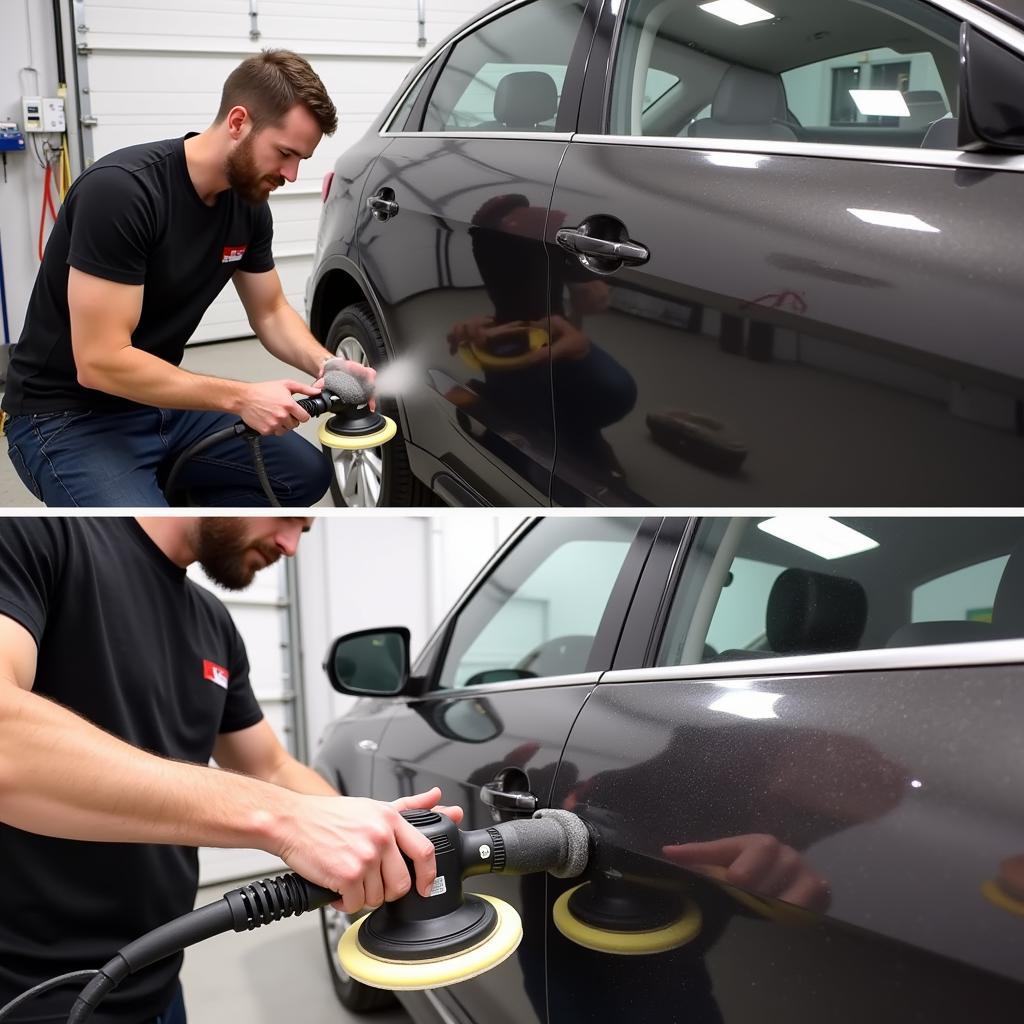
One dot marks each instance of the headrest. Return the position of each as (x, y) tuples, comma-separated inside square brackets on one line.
[(815, 613), (1008, 608), (749, 97), (524, 99), (954, 631), (923, 96)]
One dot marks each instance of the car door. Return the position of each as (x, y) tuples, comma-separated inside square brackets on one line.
[(452, 245), (814, 291), (807, 762), (508, 673)]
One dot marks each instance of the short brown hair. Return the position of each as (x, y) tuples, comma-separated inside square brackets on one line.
[(270, 83)]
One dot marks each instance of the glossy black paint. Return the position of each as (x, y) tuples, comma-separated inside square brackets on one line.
[(884, 799), (897, 790)]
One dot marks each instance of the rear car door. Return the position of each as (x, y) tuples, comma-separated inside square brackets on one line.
[(814, 291), (811, 771), (507, 675), (452, 245)]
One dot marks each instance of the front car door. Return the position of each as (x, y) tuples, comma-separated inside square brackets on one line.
[(452, 246), (815, 297), (808, 761), (506, 676)]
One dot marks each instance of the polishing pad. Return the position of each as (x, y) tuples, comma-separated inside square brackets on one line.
[(413, 975), (679, 932), (997, 894), (354, 442), (505, 350)]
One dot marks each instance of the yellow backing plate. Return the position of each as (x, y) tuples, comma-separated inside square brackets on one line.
[(413, 975), (657, 940), (536, 339), (353, 444)]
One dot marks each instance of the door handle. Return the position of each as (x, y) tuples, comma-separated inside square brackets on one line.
[(507, 800), (578, 242), (383, 205)]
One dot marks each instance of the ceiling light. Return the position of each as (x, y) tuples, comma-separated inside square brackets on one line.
[(739, 12), (883, 102), (736, 159), (886, 219), (821, 535), (750, 704)]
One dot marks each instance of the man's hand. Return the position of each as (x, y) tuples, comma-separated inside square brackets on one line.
[(367, 374), (269, 407), (760, 864), (567, 341), (354, 846)]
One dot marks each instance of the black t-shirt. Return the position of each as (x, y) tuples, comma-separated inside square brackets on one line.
[(133, 217), (128, 642)]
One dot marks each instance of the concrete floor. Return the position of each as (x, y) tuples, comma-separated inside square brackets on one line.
[(274, 974), (241, 360)]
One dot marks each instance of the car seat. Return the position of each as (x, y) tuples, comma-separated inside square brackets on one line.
[(522, 101), (925, 106), (748, 105)]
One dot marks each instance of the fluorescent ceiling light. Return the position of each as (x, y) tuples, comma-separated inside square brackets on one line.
[(886, 219), (747, 704), (736, 159), (884, 102), (739, 12), (821, 535)]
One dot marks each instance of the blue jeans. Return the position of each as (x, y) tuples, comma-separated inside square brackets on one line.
[(175, 1013), (121, 459)]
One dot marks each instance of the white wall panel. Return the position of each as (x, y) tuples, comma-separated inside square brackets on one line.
[(155, 70)]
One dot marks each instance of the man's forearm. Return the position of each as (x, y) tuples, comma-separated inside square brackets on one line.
[(284, 334), (143, 377), (62, 776), (296, 776)]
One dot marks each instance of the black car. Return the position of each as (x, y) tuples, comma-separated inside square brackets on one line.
[(671, 253), (798, 737)]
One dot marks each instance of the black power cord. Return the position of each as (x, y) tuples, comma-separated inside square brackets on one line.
[(241, 910)]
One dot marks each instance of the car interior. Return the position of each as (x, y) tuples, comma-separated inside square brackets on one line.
[(748, 593), (797, 77)]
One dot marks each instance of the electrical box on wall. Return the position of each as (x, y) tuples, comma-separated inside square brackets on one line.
[(43, 113)]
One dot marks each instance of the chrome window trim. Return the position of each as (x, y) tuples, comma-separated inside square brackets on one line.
[(533, 136), (539, 683), (984, 22), (453, 41), (873, 154), (966, 655)]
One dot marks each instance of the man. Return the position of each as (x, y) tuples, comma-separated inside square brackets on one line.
[(119, 679), (144, 243)]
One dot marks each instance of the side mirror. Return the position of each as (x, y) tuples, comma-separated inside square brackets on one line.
[(991, 98), (372, 662)]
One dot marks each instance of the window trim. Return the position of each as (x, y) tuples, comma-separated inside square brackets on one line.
[(595, 108), (882, 659)]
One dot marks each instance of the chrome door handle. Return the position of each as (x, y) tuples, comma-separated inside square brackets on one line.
[(383, 205), (578, 242), (500, 800)]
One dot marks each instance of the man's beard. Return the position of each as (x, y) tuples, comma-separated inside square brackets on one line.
[(222, 549), (248, 183)]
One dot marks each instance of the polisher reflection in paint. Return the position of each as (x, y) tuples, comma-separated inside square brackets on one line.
[(353, 425)]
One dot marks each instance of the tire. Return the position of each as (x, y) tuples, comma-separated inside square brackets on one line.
[(353, 995), (376, 476)]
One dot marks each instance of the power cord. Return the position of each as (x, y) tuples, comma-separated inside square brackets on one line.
[(43, 986)]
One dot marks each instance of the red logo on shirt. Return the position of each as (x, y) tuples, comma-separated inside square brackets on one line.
[(215, 673), (233, 253)]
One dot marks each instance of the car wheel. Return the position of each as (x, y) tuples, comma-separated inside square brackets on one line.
[(372, 476), (353, 995)]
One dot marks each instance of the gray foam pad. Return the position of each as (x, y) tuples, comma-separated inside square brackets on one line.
[(349, 389), (553, 840)]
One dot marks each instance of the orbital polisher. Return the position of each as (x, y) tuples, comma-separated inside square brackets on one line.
[(352, 427), (415, 942)]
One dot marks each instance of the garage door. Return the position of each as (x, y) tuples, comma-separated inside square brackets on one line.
[(265, 614), (153, 69)]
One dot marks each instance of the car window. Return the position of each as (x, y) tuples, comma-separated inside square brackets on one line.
[(843, 72), (790, 585), (538, 612), (401, 115), (508, 75)]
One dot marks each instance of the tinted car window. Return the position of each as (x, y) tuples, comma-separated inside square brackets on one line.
[(401, 115), (815, 585), (845, 72), (508, 75), (537, 614)]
